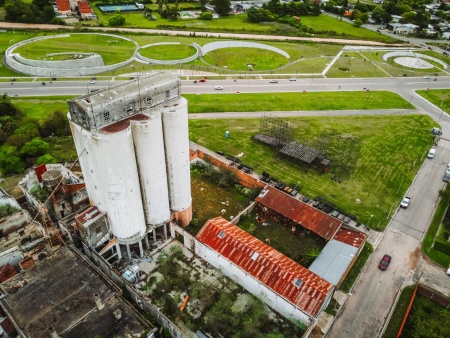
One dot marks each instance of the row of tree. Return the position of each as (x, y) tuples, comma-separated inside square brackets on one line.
[(38, 11), (21, 138)]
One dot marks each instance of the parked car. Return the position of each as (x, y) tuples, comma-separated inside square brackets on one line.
[(218, 88), (273, 81), (405, 202), (384, 263), (445, 53), (293, 79)]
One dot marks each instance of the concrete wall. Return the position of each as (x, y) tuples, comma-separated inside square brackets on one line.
[(251, 284), (68, 70), (91, 60), (167, 62), (240, 44)]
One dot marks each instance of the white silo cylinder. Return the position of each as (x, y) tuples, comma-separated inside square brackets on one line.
[(120, 184), (176, 140), (149, 146), (86, 156)]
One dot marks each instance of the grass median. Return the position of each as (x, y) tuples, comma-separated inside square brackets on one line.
[(209, 103)]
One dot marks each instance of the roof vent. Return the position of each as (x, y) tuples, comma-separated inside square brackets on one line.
[(255, 255), (298, 282), (221, 234)]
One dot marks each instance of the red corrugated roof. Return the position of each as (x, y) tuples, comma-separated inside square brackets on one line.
[(350, 237), (86, 10), (267, 265), (299, 212)]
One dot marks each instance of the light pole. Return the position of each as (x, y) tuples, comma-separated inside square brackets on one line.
[(296, 185), (442, 110), (369, 221)]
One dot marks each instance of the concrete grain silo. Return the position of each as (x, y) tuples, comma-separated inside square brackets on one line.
[(133, 145)]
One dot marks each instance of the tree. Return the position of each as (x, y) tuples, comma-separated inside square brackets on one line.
[(116, 20), (46, 159), (206, 16), (310, 256), (222, 7), (9, 162), (203, 3), (357, 23), (36, 147), (56, 124)]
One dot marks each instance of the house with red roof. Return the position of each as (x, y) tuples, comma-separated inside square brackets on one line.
[(287, 287)]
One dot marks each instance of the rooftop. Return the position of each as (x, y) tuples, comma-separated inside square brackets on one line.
[(59, 292), (288, 279), (301, 213)]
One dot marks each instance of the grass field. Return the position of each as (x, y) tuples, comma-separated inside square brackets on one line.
[(295, 101), (439, 97), (168, 52), (382, 174), (353, 64), (399, 312), (40, 108), (111, 49), (355, 270)]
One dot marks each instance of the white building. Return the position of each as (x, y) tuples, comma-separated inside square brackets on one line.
[(133, 146), (289, 288)]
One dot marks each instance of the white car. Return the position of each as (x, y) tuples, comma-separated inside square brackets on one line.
[(92, 82), (427, 77), (218, 88), (293, 79), (405, 202), (273, 81)]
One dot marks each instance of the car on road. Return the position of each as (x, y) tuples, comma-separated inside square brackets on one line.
[(218, 88), (445, 53), (273, 81), (91, 81), (384, 263), (405, 202), (427, 77), (424, 45), (202, 80), (430, 48), (293, 79)]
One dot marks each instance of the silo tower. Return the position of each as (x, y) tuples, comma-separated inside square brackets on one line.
[(133, 145)]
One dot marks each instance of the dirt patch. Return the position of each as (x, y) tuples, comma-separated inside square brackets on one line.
[(414, 258)]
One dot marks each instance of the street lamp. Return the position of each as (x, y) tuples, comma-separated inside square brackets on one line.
[(296, 185), (369, 220), (442, 110)]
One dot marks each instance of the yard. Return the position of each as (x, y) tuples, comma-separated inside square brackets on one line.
[(381, 175), (216, 304)]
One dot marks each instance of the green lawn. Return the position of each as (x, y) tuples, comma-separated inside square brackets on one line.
[(111, 49), (206, 103), (439, 97), (381, 175), (353, 64), (168, 52), (40, 108), (355, 270), (399, 313)]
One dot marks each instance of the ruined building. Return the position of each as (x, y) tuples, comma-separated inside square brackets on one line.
[(133, 146)]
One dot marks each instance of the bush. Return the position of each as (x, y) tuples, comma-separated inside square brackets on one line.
[(442, 247)]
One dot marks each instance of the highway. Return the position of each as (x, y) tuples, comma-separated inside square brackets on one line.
[(367, 308)]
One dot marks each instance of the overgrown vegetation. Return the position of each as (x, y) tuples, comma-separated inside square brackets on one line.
[(7, 209), (356, 269), (216, 304), (399, 313), (427, 319)]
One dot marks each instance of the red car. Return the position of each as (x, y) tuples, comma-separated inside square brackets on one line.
[(384, 263)]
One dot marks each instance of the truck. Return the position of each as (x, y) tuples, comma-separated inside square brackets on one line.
[(405, 202)]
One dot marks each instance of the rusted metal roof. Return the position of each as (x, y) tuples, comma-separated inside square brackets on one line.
[(123, 124), (350, 237), (88, 215), (299, 212), (293, 282)]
